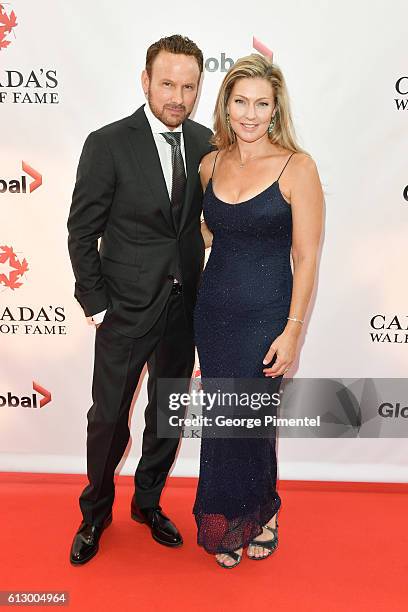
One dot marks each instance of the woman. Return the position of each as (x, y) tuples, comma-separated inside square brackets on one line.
[(262, 206)]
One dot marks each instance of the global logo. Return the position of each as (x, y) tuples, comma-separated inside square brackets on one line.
[(213, 64), (40, 398), (12, 269), (20, 185), (262, 48), (388, 410), (7, 24)]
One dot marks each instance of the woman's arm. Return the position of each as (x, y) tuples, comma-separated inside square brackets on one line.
[(205, 171), (306, 198), (206, 234)]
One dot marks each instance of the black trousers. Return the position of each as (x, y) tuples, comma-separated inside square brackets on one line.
[(168, 349)]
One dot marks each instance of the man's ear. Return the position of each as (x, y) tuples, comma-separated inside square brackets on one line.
[(145, 82)]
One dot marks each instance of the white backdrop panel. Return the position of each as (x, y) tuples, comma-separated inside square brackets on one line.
[(341, 61)]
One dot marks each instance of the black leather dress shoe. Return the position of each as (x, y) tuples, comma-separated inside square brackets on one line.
[(163, 530), (86, 541)]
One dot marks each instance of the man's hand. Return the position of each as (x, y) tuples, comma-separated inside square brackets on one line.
[(98, 318)]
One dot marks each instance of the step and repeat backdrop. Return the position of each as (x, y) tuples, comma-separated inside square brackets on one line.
[(67, 68)]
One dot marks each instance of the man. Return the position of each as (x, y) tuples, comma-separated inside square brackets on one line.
[(138, 190)]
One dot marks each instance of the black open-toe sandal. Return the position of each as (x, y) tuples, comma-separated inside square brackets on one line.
[(269, 545), (234, 555)]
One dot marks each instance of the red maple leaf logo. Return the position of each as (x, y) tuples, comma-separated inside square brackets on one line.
[(7, 24), (7, 255)]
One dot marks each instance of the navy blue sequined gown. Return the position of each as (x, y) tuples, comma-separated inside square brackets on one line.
[(242, 305)]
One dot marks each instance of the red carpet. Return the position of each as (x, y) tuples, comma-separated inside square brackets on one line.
[(343, 546)]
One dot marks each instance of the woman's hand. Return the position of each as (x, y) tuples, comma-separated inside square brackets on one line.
[(206, 234), (285, 347)]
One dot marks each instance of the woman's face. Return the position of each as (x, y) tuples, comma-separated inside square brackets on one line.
[(250, 106)]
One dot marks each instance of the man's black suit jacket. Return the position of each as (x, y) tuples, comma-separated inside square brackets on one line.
[(121, 196)]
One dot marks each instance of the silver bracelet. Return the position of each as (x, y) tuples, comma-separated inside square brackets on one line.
[(296, 319)]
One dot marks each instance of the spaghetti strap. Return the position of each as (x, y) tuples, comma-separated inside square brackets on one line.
[(287, 161), (215, 161)]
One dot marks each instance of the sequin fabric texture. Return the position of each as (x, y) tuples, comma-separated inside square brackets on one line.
[(242, 305)]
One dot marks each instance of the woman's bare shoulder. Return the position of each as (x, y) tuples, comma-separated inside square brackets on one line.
[(303, 163), (206, 166), (207, 161), (303, 178)]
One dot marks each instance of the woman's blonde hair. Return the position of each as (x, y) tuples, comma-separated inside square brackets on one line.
[(255, 66)]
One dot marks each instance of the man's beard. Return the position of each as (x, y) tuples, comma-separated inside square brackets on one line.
[(163, 113)]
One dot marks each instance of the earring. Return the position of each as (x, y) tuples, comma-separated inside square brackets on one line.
[(230, 130), (272, 124)]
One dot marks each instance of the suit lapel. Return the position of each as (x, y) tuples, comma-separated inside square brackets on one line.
[(145, 149)]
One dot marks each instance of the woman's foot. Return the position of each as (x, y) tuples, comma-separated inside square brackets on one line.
[(257, 551), (229, 560)]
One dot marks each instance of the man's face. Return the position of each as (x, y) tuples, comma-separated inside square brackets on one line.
[(172, 88)]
